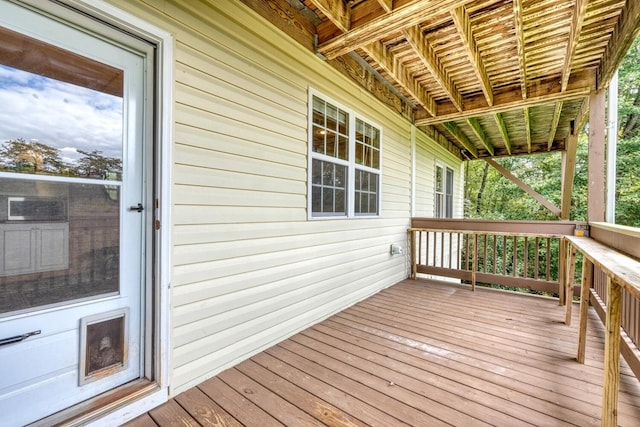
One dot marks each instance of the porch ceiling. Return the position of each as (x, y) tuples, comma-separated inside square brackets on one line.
[(492, 77)]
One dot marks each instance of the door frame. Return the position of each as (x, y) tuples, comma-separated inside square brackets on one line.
[(156, 320)]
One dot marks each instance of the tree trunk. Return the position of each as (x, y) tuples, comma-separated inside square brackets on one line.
[(485, 173)]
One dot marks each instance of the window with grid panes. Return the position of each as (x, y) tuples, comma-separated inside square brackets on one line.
[(345, 153)]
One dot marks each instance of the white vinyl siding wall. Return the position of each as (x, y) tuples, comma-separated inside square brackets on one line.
[(248, 267), (428, 153)]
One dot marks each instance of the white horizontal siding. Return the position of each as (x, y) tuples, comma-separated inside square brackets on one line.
[(427, 153), (248, 268)]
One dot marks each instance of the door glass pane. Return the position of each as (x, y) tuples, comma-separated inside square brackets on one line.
[(61, 154)]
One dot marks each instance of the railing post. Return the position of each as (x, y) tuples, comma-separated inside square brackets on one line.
[(474, 264), (612, 354), (414, 266), (570, 272), (562, 266), (587, 275)]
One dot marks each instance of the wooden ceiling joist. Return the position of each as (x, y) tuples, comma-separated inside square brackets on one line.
[(387, 5), (502, 127), (337, 11), (574, 38), (624, 33), (554, 124), (462, 22), (429, 59), (461, 137), (527, 127), (406, 16), (477, 129), (524, 64), (399, 73), (509, 105), (522, 58)]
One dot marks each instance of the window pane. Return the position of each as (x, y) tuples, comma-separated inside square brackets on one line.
[(343, 146), (331, 144), (439, 179), (318, 111), (328, 193), (318, 140), (60, 240), (366, 193)]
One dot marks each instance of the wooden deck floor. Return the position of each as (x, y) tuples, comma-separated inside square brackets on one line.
[(422, 354)]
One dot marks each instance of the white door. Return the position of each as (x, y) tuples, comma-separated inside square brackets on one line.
[(72, 238)]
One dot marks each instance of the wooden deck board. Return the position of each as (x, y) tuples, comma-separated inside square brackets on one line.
[(417, 353)]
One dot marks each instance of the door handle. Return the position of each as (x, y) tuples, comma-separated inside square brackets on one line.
[(18, 338), (137, 208)]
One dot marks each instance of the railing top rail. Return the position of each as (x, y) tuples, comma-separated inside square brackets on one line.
[(623, 269), (480, 233), (505, 226)]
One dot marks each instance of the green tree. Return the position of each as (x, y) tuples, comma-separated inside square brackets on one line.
[(19, 155), (94, 164)]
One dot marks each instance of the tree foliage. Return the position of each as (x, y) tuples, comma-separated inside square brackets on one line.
[(488, 195), (33, 157)]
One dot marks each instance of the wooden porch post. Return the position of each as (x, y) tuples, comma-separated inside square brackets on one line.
[(611, 382), (596, 168)]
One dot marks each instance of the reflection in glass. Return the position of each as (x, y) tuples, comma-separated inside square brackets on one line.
[(61, 154), (66, 247), (50, 127)]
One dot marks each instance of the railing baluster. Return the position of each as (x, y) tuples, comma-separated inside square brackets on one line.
[(537, 258), (548, 269), (495, 253), (450, 248), (484, 254), (504, 255), (515, 255), (525, 272), (442, 249)]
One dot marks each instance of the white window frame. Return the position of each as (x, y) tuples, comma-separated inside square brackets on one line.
[(350, 163), (442, 212)]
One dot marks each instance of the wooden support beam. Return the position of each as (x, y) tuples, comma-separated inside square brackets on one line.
[(624, 33), (408, 15), (463, 25), (509, 104), (527, 127), (526, 188), (379, 53), (611, 383), (427, 55), (568, 172), (554, 124), (522, 59), (337, 11), (477, 129), (461, 137), (580, 10), (596, 161), (502, 127), (387, 5)]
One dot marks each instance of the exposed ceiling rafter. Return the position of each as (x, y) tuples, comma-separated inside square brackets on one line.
[(477, 129), (399, 73), (502, 127), (337, 11), (574, 38), (406, 16), (522, 58), (509, 105), (387, 5), (554, 124), (428, 57), (462, 22), (461, 137), (527, 127)]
